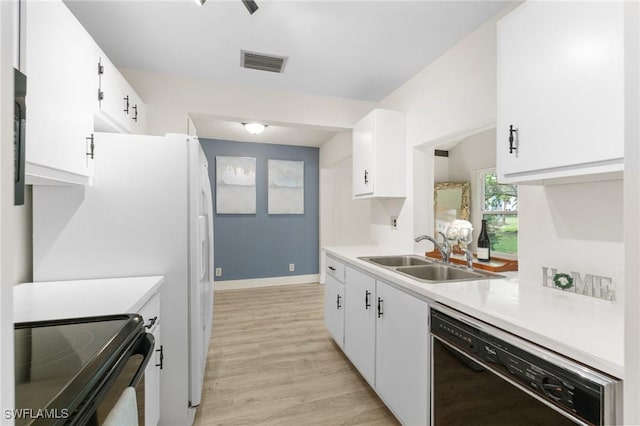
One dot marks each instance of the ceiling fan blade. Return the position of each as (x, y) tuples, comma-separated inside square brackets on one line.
[(250, 5)]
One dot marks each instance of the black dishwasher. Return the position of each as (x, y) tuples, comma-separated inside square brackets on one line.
[(484, 376)]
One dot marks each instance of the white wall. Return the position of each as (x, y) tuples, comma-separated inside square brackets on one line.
[(453, 97), (457, 92), (441, 169), (335, 150), (6, 193), (474, 153), (574, 227), (632, 214), (15, 221), (454, 93), (170, 99), (343, 221)]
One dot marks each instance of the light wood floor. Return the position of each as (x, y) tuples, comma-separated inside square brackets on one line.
[(272, 362)]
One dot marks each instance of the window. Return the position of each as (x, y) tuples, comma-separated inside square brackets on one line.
[(499, 205)]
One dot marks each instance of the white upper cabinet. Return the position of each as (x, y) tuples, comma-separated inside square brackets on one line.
[(379, 155), (561, 89), (66, 75), (118, 108), (60, 96)]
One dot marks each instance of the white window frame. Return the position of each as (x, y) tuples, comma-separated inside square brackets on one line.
[(481, 179)]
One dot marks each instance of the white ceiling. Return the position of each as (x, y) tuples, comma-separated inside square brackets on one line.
[(355, 49)]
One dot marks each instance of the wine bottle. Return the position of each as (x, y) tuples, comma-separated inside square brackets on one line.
[(484, 244)]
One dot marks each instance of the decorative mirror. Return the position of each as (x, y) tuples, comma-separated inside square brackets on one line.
[(450, 202)]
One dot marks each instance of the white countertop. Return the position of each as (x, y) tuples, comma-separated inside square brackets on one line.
[(80, 298), (585, 329)]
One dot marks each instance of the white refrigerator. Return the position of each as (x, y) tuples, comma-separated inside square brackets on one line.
[(148, 212)]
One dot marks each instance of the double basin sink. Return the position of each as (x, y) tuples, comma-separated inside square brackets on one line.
[(428, 271)]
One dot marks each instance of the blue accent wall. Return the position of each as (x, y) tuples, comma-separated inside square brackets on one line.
[(262, 245)]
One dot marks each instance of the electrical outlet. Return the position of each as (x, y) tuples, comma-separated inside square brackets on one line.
[(394, 222), (218, 272), (292, 267)]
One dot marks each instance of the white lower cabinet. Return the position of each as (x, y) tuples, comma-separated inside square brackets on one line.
[(360, 322), (386, 337), (150, 312), (402, 354), (152, 383), (334, 309)]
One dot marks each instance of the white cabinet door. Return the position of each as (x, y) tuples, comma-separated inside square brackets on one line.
[(402, 354), (115, 101), (335, 268), (60, 95), (137, 118), (363, 156), (360, 322), (334, 309), (152, 383), (561, 85), (119, 108), (379, 155), (150, 313)]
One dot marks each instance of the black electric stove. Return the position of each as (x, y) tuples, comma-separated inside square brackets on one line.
[(64, 368)]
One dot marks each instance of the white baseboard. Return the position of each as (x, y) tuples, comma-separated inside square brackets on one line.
[(266, 282)]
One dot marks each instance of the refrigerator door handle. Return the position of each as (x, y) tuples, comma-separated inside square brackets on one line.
[(203, 225), (208, 202)]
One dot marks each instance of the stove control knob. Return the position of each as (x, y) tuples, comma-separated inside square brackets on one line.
[(553, 388)]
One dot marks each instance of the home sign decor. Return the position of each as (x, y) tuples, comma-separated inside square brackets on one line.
[(586, 284)]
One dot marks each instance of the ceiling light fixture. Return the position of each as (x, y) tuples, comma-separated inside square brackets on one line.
[(250, 5), (200, 2), (254, 128)]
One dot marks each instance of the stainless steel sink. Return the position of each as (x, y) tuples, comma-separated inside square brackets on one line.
[(394, 261), (440, 273), (428, 271)]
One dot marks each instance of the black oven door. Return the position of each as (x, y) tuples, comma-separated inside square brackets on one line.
[(127, 372)]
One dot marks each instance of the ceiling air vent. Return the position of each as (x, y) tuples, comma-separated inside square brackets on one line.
[(262, 62)]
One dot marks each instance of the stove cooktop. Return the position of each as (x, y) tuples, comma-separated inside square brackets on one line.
[(58, 363)]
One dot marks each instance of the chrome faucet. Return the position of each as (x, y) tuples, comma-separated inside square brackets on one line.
[(442, 248), (469, 256)]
